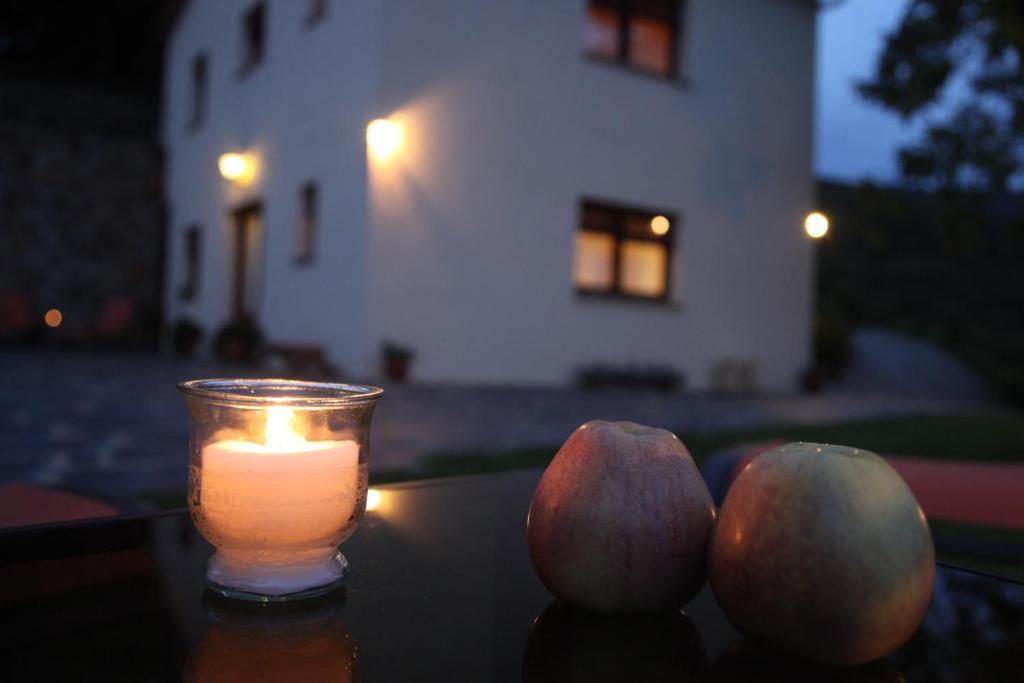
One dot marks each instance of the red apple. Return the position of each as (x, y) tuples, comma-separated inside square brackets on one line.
[(621, 519), (823, 552)]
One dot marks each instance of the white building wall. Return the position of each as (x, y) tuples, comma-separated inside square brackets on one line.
[(462, 246), (301, 113), (508, 125)]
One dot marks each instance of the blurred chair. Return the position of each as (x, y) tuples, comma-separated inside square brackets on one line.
[(15, 316), (116, 321)]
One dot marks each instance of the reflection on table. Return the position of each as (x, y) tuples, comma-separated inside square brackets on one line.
[(272, 645)]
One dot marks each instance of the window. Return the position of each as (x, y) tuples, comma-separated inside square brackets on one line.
[(197, 105), (316, 10), (638, 33), (305, 234), (190, 276), (622, 251), (253, 37)]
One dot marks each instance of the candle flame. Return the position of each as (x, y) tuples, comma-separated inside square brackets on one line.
[(280, 436)]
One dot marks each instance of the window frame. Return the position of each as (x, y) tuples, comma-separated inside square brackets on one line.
[(192, 255), (619, 216), (199, 90), (308, 221), (625, 11), (251, 59)]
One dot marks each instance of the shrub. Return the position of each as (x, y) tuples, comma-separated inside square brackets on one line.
[(832, 348), (185, 336)]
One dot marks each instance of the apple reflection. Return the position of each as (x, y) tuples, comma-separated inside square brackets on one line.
[(309, 645), (747, 661), (567, 644)]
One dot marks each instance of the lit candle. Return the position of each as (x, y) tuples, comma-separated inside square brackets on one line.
[(275, 510)]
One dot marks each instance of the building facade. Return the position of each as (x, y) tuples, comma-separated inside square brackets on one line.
[(558, 184)]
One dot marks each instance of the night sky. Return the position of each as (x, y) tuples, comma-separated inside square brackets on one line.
[(856, 139)]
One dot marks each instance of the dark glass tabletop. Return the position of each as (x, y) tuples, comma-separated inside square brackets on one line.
[(441, 589)]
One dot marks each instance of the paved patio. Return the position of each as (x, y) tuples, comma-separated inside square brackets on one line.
[(114, 423)]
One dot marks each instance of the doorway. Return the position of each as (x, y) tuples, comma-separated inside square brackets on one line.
[(247, 266)]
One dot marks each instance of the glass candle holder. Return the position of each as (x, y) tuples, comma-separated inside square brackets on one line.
[(277, 481)]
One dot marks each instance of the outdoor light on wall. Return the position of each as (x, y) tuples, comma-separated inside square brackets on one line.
[(816, 225), (237, 167), (384, 138), (660, 225)]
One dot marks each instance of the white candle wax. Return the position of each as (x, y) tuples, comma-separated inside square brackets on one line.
[(277, 510)]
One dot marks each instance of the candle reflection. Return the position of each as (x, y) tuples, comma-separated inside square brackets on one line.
[(309, 645)]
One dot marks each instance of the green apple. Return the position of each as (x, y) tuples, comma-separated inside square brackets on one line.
[(823, 552)]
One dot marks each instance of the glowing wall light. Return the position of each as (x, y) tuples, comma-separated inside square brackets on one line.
[(53, 317), (236, 167), (816, 225), (660, 225), (384, 138)]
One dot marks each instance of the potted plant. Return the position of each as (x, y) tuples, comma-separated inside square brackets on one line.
[(238, 340), (397, 359), (185, 336)]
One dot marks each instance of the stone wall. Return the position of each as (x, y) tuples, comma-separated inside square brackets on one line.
[(80, 208)]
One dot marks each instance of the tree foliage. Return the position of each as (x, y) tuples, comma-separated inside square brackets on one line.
[(980, 144)]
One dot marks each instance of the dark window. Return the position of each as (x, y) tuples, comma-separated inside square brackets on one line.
[(316, 10), (305, 234), (623, 251), (190, 274), (200, 79), (253, 37), (642, 34)]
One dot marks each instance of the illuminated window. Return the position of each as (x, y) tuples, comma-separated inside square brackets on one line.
[(253, 37), (595, 257), (198, 93), (622, 251), (638, 33), (305, 233), (190, 260), (316, 10)]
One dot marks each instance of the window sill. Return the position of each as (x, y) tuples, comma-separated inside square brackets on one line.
[(664, 303), (673, 79)]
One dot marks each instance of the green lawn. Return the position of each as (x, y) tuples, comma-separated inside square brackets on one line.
[(963, 436)]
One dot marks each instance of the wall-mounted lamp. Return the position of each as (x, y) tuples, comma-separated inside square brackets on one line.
[(816, 225), (237, 167), (384, 138), (660, 225)]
